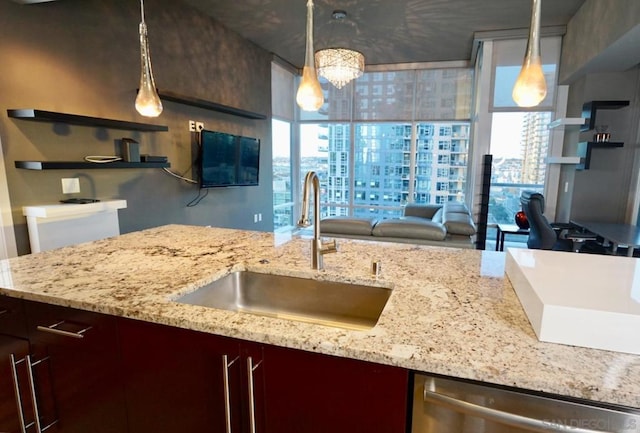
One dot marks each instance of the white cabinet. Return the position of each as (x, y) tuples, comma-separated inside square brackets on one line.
[(58, 225)]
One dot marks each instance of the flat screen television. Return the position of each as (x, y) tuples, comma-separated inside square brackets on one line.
[(228, 160)]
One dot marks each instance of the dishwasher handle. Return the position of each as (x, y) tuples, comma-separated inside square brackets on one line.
[(501, 417)]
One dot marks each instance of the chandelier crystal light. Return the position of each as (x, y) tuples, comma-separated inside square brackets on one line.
[(147, 102), (309, 96), (339, 65), (531, 88)]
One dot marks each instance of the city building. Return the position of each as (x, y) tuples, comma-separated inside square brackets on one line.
[(398, 156)]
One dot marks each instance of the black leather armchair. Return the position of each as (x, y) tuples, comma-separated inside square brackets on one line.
[(547, 236)]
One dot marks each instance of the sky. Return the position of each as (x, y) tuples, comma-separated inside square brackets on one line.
[(506, 129), (281, 138)]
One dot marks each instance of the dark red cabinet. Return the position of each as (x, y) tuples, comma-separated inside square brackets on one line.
[(101, 374), (76, 359), (187, 381), (175, 379), (317, 393), (12, 317), (16, 410)]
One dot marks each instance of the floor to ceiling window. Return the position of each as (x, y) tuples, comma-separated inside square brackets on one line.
[(399, 136), (519, 145), (283, 156), (520, 138), (282, 175), (388, 139)]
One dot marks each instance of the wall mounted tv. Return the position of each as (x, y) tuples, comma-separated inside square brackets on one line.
[(228, 160)]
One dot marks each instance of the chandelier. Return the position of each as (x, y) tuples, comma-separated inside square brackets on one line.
[(339, 65)]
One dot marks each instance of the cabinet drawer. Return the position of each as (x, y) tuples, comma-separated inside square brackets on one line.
[(69, 327), (12, 318)]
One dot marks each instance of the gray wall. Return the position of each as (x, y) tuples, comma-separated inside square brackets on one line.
[(602, 193), (599, 61), (601, 37), (82, 57)]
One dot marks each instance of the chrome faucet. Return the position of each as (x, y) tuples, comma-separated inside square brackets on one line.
[(318, 248)]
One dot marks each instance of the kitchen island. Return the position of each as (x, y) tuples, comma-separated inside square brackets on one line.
[(451, 312)]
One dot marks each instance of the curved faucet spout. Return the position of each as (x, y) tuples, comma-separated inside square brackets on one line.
[(318, 248)]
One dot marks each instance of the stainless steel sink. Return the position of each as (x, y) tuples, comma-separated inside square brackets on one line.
[(343, 305)]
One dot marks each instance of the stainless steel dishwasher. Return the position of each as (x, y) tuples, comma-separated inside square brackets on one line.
[(442, 405)]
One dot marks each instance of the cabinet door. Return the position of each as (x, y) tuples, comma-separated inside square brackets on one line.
[(317, 393), (16, 411), (12, 319), (76, 362), (179, 380)]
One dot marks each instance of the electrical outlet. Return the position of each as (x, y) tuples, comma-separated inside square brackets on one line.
[(199, 126), (70, 185), (255, 217), (259, 217), (192, 125)]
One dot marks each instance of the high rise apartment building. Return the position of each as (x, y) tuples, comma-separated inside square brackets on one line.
[(535, 146), (396, 159)]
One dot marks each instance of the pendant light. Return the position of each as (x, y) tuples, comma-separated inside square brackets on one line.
[(147, 102), (339, 65), (309, 96), (531, 87)]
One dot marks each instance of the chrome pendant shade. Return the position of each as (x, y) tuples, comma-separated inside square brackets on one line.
[(147, 102), (531, 88), (309, 96)]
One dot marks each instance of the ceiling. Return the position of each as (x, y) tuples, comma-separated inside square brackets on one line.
[(385, 31)]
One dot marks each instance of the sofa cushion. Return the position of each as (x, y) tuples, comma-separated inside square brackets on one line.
[(455, 207), (410, 227), (437, 217), (457, 219), (347, 225), (421, 210)]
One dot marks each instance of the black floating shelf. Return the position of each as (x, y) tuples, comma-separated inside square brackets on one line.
[(201, 103), (584, 151), (83, 165), (75, 119), (589, 110)]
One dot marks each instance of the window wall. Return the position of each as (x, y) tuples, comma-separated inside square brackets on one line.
[(388, 139), (519, 145), (284, 157), (282, 174), (519, 137), (399, 136)]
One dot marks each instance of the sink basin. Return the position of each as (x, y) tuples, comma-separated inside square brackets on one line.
[(343, 305)]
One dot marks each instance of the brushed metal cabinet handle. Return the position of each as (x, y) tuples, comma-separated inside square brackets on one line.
[(506, 418), (16, 387), (34, 400), (227, 390), (53, 329), (252, 402)]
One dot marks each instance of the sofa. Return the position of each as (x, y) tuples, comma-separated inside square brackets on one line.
[(450, 224)]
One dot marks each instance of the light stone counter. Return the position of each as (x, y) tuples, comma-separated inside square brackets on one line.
[(452, 311)]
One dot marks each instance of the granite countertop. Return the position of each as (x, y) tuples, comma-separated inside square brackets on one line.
[(451, 312)]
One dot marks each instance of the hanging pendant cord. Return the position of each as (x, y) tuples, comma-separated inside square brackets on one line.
[(142, 11)]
